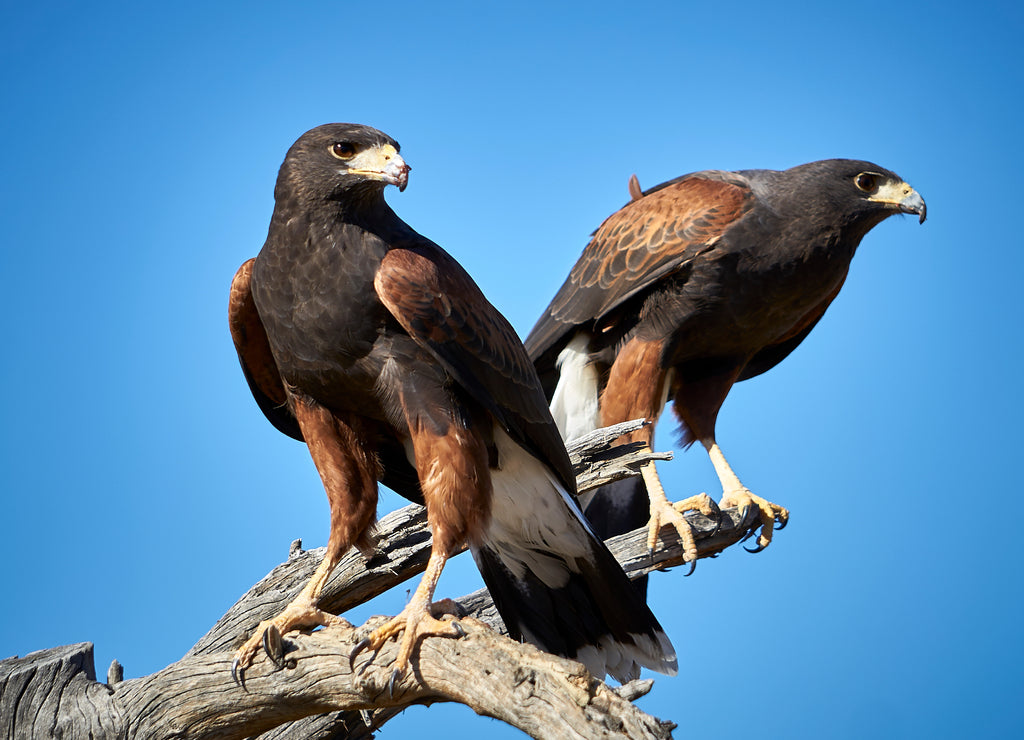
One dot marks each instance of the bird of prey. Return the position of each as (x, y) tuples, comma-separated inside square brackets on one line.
[(695, 284), (372, 345)]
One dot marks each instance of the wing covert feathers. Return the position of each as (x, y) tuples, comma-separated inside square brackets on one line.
[(650, 237)]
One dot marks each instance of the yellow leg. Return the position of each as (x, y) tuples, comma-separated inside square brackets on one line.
[(301, 613), (415, 619), (663, 512), (736, 494)]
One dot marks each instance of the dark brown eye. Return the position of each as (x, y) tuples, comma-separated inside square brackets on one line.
[(343, 150), (866, 181)]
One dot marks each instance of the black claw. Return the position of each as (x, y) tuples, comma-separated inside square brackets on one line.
[(395, 675), (693, 567), (273, 646), (781, 524), (238, 676), (716, 517), (756, 549), (718, 525), (368, 663), (364, 643), (458, 628)]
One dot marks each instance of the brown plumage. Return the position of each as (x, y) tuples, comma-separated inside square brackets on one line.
[(692, 286), (372, 345)]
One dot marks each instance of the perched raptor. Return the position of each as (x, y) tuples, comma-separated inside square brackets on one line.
[(371, 344), (692, 286)]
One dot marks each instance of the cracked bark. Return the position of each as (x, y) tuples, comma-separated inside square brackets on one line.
[(54, 693)]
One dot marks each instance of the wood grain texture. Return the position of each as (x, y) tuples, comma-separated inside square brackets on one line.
[(54, 693)]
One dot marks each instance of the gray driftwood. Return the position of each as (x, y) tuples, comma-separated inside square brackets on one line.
[(54, 693)]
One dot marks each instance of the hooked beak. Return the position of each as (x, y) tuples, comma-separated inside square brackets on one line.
[(382, 163), (902, 197), (914, 203)]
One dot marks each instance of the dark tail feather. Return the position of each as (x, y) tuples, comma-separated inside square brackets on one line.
[(620, 507), (596, 617)]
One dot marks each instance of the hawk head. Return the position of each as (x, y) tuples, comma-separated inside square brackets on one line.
[(337, 161), (847, 189)]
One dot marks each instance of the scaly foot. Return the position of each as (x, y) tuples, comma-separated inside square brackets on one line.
[(300, 614), (743, 499), (663, 512), (416, 622)]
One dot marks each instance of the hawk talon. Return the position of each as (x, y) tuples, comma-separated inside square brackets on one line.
[(693, 567), (714, 512), (771, 517), (359, 646), (717, 518), (237, 676), (273, 646), (664, 513)]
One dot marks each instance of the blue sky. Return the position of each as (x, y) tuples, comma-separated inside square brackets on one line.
[(143, 491)]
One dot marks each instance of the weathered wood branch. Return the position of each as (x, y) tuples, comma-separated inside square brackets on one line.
[(196, 698), (55, 693)]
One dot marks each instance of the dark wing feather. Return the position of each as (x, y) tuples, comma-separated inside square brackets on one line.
[(647, 239), (254, 354), (438, 304)]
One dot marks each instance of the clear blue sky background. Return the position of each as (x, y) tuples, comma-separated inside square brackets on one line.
[(143, 491)]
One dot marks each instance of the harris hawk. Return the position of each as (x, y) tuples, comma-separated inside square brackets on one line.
[(696, 284), (372, 345)]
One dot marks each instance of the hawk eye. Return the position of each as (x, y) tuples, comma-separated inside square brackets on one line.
[(866, 181), (343, 150)]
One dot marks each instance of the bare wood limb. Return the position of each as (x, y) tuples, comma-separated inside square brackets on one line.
[(547, 697), (403, 549), (596, 459), (54, 693)]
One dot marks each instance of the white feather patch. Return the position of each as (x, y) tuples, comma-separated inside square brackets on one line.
[(574, 404), (623, 661), (535, 524)]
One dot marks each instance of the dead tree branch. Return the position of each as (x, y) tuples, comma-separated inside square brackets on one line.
[(55, 693), (52, 695)]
